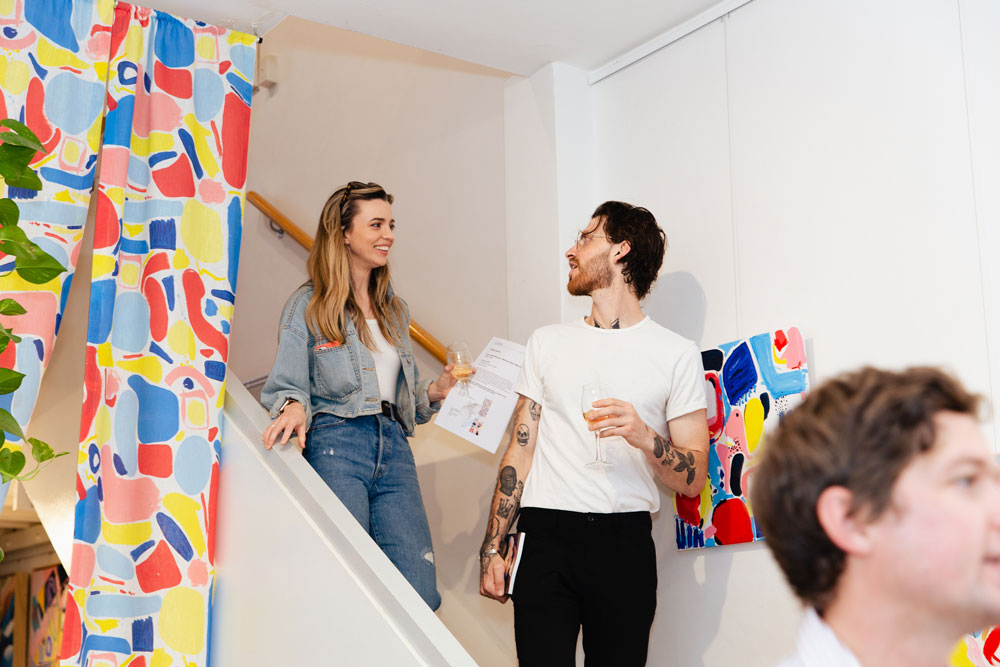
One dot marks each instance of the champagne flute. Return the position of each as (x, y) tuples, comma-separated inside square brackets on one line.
[(594, 391), (462, 368)]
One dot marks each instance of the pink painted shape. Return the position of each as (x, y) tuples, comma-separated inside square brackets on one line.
[(722, 450), (126, 500), (99, 46), (211, 192), (39, 321), (114, 164), (795, 353), (82, 569), (736, 431), (198, 573), (165, 114)]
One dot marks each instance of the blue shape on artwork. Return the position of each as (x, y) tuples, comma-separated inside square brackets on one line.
[(126, 424), (225, 327), (157, 158), (102, 643), (100, 489), (113, 605), (87, 524), (158, 411), (83, 20), (175, 536), (235, 216), (127, 71), (39, 349), (188, 142), (75, 181), (224, 294), (148, 209), (173, 42), (21, 193), (138, 171), (777, 383), (119, 465), (739, 376), (133, 246), (163, 234), (168, 289), (209, 94), (115, 563), (9, 32), (141, 549), (39, 70), (193, 464), (241, 86), (118, 125), (55, 212), (130, 330), (142, 634), (94, 457), (147, 83), (210, 308), (215, 370), (243, 57), (53, 18), (72, 103), (160, 352)]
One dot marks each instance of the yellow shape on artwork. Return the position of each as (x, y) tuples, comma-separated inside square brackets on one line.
[(126, 533), (185, 511), (106, 11), (753, 422), (105, 358), (181, 339), (196, 413), (133, 43), (50, 55), (14, 76), (201, 230), (181, 260), (6, 7), (200, 133), (107, 624), (129, 274), (206, 48), (149, 367), (102, 425), (960, 656), (160, 659), (157, 142), (182, 620), (103, 265)]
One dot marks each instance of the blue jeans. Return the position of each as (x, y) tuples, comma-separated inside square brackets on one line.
[(367, 462)]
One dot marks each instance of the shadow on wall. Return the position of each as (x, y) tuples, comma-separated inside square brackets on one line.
[(678, 303)]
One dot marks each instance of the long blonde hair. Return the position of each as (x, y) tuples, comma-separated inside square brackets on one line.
[(329, 269)]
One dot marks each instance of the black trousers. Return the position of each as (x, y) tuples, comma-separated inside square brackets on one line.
[(597, 571)]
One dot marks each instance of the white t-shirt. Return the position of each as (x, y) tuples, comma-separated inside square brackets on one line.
[(817, 646), (387, 364), (654, 369)]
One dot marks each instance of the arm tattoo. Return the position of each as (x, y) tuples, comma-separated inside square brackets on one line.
[(522, 434), (505, 508), (682, 462), (536, 411), (508, 480)]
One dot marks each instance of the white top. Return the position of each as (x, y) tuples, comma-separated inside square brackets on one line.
[(654, 369), (387, 364), (818, 646)]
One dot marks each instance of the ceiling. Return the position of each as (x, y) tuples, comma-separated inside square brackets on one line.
[(518, 36)]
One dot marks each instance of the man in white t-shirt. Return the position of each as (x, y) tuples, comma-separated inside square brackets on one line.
[(588, 558), (880, 500)]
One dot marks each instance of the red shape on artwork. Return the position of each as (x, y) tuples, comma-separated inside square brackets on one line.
[(689, 509), (224, 66), (9, 356), (718, 421), (212, 432), (81, 491), (176, 82), (213, 496), (158, 316), (158, 262), (177, 180), (991, 644), (158, 571), (91, 391), (156, 460), (139, 661), (780, 341), (119, 29), (194, 290), (34, 118), (732, 522), (235, 135), (106, 227), (72, 630)]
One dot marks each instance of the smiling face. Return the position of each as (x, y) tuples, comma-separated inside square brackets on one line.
[(370, 234), (590, 265), (937, 545)]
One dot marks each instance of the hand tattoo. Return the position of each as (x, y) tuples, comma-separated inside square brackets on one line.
[(508, 480), (522, 434)]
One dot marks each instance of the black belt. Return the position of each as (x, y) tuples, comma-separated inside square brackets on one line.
[(391, 411)]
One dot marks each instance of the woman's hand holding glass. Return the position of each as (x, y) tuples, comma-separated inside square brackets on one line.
[(291, 420)]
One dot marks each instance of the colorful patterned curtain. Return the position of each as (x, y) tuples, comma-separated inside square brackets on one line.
[(53, 69), (167, 235)]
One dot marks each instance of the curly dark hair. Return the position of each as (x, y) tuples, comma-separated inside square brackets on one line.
[(858, 431), (624, 222)]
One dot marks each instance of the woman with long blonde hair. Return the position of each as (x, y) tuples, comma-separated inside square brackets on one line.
[(346, 383)]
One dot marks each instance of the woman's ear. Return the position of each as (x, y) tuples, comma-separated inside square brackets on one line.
[(845, 527)]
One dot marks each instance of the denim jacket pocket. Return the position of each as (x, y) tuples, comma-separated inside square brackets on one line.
[(334, 373)]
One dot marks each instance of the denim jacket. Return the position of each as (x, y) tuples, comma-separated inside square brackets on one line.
[(337, 378)]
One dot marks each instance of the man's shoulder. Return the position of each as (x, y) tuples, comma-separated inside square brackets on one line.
[(554, 331), (668, 337)]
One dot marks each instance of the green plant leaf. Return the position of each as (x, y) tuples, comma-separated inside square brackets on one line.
[(12, 234), (18, 140), (14, 167), (11, 307), (41, 451), (8, 212), (40, 269), (28, 180), (10, 425), (10, 380), (13, 465), (21, 129)]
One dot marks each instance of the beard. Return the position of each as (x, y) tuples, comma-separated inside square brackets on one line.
[(594, 275)]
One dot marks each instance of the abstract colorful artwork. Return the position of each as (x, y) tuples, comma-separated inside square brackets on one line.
[(981, 649), (53, 69), (166, 243), (749, 383), (7, 601), (45, 617)]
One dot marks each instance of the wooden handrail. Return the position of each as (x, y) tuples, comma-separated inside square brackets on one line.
[(417, 332)]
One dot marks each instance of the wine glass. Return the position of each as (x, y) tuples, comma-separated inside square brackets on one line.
[(594, 391), (462, 368)]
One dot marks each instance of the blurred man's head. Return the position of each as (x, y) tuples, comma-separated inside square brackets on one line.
[(885, 477)]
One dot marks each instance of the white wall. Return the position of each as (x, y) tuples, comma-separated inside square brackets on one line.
[(813, 164)]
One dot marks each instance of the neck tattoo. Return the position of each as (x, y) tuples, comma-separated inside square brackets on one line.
[(614, 325)]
